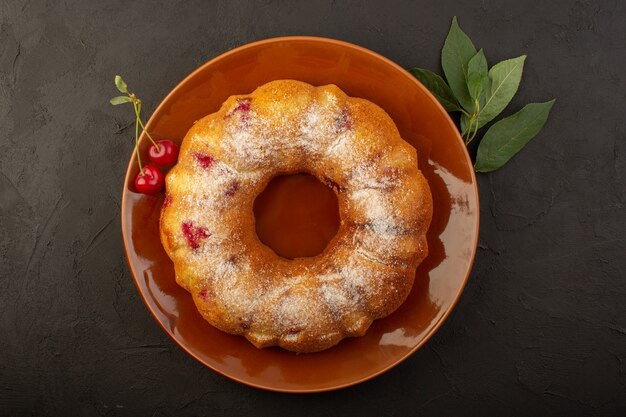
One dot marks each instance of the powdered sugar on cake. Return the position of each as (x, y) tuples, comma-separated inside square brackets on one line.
[(211, 189)]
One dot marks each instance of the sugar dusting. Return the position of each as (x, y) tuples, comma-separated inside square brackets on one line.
[(253, 145), (209, 187)]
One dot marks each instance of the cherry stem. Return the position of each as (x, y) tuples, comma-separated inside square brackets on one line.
[(137, 144), (137, 106)]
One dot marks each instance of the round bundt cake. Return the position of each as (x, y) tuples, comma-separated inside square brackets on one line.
[(241, 286)]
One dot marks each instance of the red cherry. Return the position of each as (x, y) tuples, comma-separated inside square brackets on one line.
[(243, 104), (233, 188), (344, 121), (204, 160), (151, 182), (166, 155), (194, 234)]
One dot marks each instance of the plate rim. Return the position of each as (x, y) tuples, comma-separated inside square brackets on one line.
[(336, 42)]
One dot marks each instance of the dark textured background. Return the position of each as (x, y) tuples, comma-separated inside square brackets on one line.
[(541, 327)]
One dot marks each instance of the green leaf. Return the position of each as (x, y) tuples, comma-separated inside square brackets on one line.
[(120, 84), (477, 76), (457, 50), (438, 87), (505, 77), (120, 100), (509, 135)]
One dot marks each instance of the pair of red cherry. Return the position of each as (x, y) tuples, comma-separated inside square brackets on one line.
[(152, 180)]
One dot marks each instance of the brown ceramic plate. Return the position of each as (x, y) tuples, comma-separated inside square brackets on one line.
[(452, 236)]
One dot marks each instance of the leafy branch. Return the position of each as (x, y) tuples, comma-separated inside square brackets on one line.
[(480, 94)]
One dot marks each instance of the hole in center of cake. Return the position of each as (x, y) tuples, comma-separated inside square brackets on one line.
[(296, 215)]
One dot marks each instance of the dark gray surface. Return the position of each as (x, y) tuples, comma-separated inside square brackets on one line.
[(541, 327)]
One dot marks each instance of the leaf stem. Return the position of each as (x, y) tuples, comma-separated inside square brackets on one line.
[(471, 138), (468, 128), (471, 124)]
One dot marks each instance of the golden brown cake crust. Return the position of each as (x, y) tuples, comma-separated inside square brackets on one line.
[(240, 285)]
